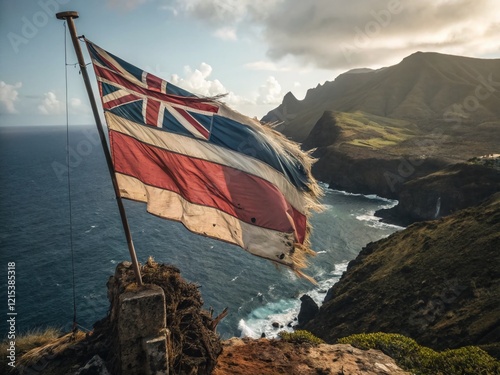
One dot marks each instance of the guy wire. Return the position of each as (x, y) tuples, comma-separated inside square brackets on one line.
[(75, 324)]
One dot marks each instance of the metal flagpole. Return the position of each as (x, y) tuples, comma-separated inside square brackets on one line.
[(69, 16)]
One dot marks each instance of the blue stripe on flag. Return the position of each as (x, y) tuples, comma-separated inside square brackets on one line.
[(131, 111), (108, 89)]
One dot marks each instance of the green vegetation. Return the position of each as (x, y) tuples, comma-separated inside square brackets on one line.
[(367, 130), (410, 356), (491, 161), (300, 337)]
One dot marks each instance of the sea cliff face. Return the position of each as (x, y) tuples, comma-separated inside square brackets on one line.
[(441, 193), (437, 282)]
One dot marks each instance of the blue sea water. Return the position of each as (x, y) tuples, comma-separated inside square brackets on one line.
[(36, 227)]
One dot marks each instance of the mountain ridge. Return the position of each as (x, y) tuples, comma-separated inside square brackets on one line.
[(422, 86), (373, 131)]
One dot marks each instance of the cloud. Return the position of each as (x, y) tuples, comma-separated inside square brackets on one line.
[(270, 92), (226, 12), (8, 95), (226, 33), (50, 105), (77, 107), (197, 81), (338, 34)]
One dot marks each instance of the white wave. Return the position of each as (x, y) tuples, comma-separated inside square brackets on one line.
[(368, 196), (270, 319), (91, 227), (375, 221), (284, 312)]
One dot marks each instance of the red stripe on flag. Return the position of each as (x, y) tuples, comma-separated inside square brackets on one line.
[(153, 82), (201, 129), (244, 196), (152, 112), (117, 78)]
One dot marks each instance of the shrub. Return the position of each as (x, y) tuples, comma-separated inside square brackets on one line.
[(469, 360), (300, 337)]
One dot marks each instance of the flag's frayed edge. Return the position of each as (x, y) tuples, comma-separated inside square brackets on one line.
[(301, 252)]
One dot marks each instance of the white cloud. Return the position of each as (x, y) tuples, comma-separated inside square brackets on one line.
[(75, 103), (50, 105), (226, 33), (77, 107), (270, 92), (198, 82), (8, 95), (220, 12)]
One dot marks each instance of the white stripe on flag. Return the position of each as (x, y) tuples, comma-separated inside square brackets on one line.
[(266, 243)]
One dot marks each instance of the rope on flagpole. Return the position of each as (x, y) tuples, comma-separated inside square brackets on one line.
[(75, 324)]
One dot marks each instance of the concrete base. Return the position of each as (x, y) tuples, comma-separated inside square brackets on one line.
[(156, 354), (142, 333)]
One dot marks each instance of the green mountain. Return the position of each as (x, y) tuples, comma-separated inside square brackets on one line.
[(375, 130)]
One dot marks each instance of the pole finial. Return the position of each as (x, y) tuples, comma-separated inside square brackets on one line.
[(68, 14)]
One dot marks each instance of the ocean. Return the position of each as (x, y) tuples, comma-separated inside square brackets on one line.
[(37, 230)]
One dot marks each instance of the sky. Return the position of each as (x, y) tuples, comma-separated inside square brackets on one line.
[(255, 51)]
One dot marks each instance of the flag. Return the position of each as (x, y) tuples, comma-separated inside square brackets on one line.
[(194, 160)]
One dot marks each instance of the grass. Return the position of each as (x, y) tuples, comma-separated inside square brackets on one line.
[(26, 342), (367, 130), (300, 337), (420, 360)]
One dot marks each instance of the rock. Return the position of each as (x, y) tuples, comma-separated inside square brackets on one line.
[(275, 325), (441, 193), (267, 357), (95, 366), (308, 310)]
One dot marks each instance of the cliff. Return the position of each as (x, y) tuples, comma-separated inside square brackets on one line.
[(375, 131), (444, 192), (437, 282)]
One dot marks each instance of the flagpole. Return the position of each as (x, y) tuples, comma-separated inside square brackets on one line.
[(69, 16)]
